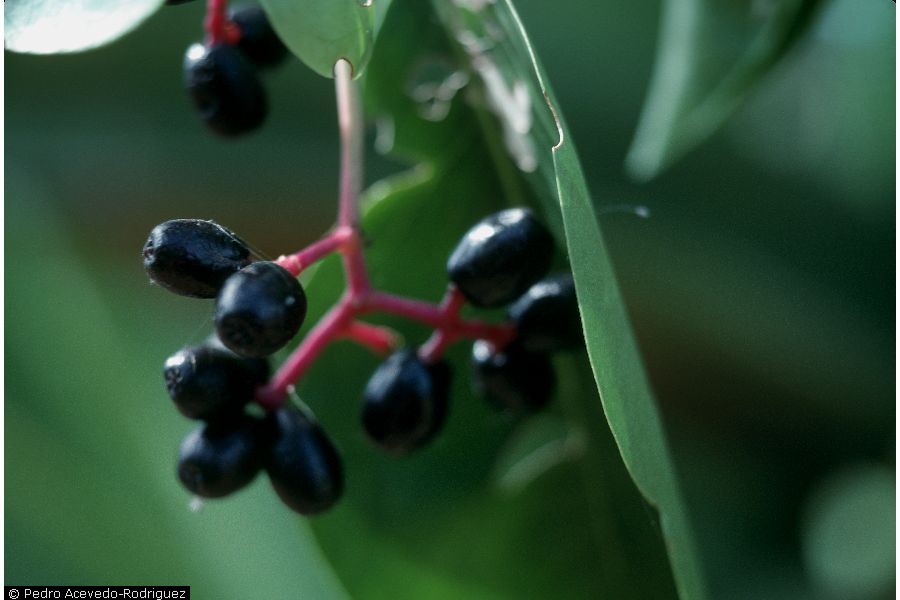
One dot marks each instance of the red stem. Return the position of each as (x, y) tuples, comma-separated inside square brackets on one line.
[(349, 113), (272, 395), (380, 339), (216, 22), (297, 262), (360, 298)]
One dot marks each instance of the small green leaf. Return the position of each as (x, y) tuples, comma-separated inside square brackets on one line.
[(320, 32), (712, 53), (58, 26)]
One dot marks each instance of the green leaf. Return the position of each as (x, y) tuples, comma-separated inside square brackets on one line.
[(57, 26), (711, 55), (430, 524), (494, 40), (320, 32)]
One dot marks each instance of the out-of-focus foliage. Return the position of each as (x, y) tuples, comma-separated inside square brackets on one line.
[(711, 55), (761, 290)]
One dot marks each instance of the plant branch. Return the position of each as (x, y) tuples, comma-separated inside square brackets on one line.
[(349, 112), (360, 298), (216, 22)]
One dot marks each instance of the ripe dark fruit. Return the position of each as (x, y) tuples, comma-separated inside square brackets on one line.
[(259, 309), (258, 40), (208, 383), (224, 88), (220, 458), (193, 258), (259, 367), (405, 402), (546, 316), (500, 257), (515, 379), (303, 465)]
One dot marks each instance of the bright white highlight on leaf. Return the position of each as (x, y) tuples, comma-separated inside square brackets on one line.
[(434, 85), (384, 134), (57, 26), (512, 104), (510, 101)]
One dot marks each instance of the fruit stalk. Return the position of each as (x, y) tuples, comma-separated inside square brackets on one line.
[(215, 22), (330, 327), (360, 298), (350, 120), (380, 340), (297, 262), (349, 112)]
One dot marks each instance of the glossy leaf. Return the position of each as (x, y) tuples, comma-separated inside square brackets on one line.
[(594, 534), (57, 26), (320, 32), (494, 40), (711, 54)]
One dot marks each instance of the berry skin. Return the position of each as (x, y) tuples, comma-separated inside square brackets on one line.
[(405, 402), (224, 88), (303, 465), (515, 379), (193, 258), (208, 383), (259, 309), (259, 367), (500, 257), (546, 316), (258, 41), (220, 458)]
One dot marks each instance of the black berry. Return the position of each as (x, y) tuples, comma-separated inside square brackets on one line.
[(405, 402), (193, 257), (515, 379), (500, 257), (259, 309), (303, 465), (208, 383), (259, 367), (546, 316), (222, 457), (225, 89), (258, 40)]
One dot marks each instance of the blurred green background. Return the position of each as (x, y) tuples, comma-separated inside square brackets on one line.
[(762, 290)]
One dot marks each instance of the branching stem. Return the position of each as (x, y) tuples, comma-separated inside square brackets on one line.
[(359, 299)]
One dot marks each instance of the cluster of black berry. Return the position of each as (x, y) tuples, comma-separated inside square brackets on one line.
[(221, 76), (259, 308), (501, 260)]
